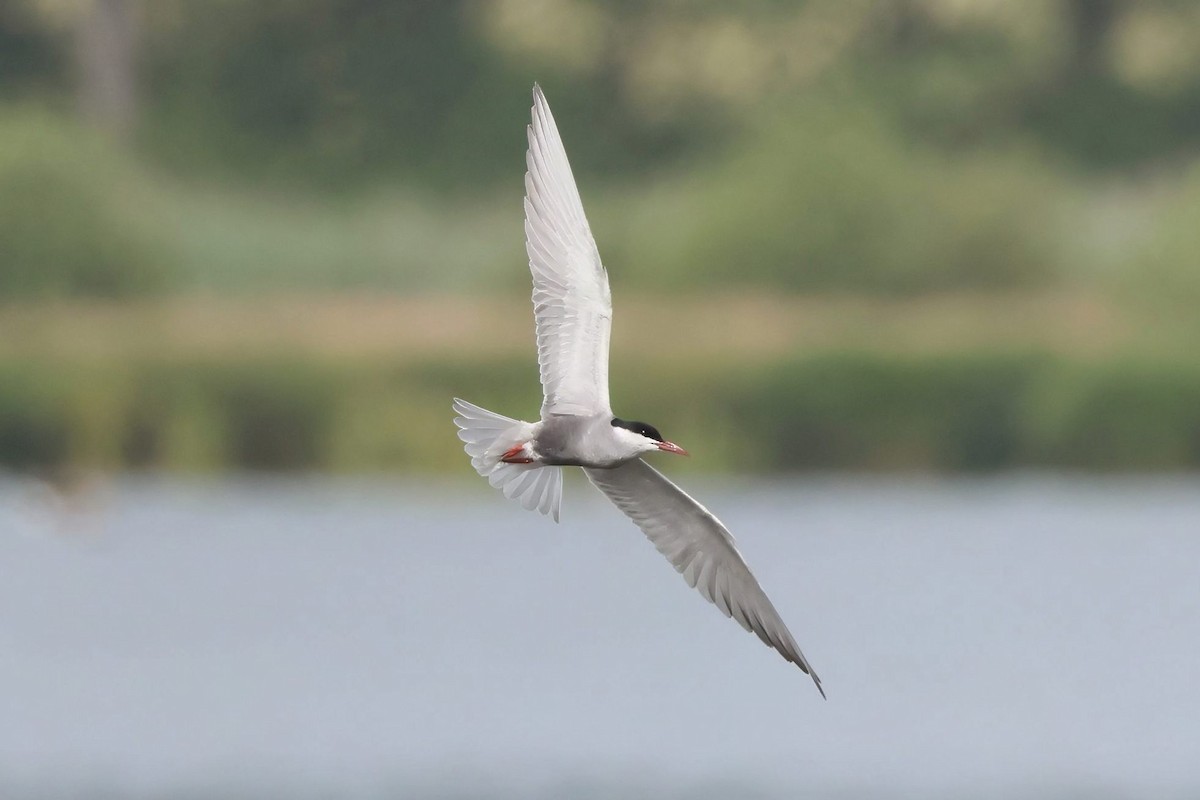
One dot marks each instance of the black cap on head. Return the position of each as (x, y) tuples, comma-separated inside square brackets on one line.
[(649, 431)]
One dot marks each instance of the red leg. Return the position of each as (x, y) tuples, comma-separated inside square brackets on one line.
[(516, 455)]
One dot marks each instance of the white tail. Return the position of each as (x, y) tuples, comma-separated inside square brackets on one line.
[(486, 437)]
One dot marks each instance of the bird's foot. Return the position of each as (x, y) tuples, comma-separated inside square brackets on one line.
[(516, 455)]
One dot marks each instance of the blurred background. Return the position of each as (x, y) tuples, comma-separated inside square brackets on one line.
[(923, 268)]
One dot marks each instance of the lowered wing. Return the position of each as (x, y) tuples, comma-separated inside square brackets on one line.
[(700, 548)]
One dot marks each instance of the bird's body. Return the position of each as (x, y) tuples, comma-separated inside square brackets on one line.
[(573, 315), (580, 441)]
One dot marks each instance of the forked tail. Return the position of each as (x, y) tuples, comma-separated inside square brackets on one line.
[(486, 437)]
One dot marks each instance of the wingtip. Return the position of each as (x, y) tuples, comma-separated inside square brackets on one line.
[(539, 109), (816, 681)]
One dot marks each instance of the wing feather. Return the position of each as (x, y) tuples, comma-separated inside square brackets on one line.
[(700, 548), (572, 304)]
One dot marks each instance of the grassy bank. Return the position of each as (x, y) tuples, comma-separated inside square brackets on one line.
[(726, 328)]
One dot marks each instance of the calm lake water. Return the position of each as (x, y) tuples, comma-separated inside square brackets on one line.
[(1026, 637)]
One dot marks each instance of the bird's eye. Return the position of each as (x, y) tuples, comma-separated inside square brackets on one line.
[(640, 428), (651, 432)]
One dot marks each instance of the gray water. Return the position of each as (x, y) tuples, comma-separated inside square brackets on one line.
[(1022, 637)]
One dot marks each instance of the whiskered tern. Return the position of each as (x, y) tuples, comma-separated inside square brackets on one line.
[(572, 310)]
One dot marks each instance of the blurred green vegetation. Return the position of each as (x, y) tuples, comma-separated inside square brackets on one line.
[(831, 198), (848, 411), (828, 147), (66, 227), (848, 146)]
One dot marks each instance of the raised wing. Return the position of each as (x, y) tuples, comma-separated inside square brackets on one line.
[(700, 548), (571, 302)]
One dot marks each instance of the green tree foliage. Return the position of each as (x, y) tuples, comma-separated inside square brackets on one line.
[(339, 92), (832, 199), (66, 226), (34, 57), (830, 145)]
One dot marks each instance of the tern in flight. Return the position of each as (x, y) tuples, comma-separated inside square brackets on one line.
[(572, 310)]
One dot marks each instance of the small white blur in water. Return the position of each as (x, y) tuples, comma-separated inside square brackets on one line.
[(66, 507)]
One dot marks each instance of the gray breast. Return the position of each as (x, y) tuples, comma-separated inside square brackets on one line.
[(576, 441)]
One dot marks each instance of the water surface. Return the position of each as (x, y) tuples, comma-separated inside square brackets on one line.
[(1027, 637)]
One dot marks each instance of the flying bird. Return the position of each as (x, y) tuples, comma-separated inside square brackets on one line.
[(572, 310)]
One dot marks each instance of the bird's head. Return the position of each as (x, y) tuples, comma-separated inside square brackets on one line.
[(644, 438)]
